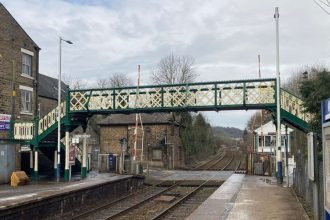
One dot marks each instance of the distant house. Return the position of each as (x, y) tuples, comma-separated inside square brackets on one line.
[(161, 141), (48, 93), (265, 138)]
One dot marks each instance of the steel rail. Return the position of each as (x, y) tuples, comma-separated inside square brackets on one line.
[(91, 211), (164, 212), (232, 158), (144, 201), (210, 161)]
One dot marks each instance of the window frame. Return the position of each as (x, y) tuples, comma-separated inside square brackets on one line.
[(26, 108), (27, 61)]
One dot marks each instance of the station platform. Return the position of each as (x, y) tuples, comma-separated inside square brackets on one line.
[(69, 197), (250, 197), (37, 190)]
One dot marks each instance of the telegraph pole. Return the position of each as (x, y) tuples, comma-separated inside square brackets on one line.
[(278, 104)]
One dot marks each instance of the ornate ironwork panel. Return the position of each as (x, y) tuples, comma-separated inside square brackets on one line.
[(50, 119), (293, 105), (23, 130), (262, 92)]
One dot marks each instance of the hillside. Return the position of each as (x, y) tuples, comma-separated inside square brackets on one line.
[(227, 132)]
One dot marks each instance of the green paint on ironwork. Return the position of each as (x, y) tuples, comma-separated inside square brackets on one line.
[(83, 172)]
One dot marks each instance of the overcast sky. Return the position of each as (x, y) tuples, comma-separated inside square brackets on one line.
[(224, 37)]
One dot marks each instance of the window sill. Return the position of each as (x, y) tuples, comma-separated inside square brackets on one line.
[(26, 76), (26, 113)]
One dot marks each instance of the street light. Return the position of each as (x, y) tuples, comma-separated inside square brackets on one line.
[(59, 109), (278, 103)]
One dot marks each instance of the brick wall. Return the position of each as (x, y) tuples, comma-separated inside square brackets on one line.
[(12, 39)]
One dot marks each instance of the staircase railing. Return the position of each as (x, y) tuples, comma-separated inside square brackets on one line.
[(24, 130), (294, 105), (50, 119)]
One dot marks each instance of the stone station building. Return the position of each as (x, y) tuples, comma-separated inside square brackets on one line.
[(161, 141)]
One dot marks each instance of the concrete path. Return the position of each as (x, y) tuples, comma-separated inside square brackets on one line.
[(260, 199), (220, 202)]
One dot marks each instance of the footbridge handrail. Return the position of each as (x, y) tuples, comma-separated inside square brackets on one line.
[(294, 105), (51, 118), (240, 94)]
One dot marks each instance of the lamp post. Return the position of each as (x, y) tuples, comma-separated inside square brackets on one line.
[(278, 104), (59, 109)]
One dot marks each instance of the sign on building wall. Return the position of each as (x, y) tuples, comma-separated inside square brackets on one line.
[(4, 122), (326, 153), (326, 111)]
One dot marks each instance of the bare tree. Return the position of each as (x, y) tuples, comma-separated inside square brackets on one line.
[(174, 69), (73, 82), (293, 83), (115, 80), (103, 83), (120, 79)]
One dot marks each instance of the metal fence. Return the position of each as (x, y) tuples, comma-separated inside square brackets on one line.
[(304, 187)]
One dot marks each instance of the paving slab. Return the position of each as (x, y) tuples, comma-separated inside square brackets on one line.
[(220, 202), (37, 190), (250, 197), (261, 198)]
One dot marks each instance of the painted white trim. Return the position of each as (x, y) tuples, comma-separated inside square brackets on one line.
[(26, 88), (27, 52), (26, 76), (26, 113)]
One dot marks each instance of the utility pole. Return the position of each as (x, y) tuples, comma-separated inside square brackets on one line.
[(278, 103)]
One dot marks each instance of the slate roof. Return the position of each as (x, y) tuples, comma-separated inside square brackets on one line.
[(47, 87), (122, 119)]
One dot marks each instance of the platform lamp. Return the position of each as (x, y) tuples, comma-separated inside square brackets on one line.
[(59, 109)]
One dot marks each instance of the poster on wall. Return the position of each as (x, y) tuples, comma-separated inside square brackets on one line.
[(4, 122), (4, 126), (326, 152), (326, 171)]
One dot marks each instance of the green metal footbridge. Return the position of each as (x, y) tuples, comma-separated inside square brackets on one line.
[(79, 105)]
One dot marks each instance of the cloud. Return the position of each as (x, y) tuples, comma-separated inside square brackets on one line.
[(224, 37)]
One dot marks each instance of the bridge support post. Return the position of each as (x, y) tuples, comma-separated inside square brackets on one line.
[(67, 148), (31, 162), (36, 170), (55, 162), (84, 158)]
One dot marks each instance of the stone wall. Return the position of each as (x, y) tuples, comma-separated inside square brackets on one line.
[(12, 39), (153, 143), (46, 105)]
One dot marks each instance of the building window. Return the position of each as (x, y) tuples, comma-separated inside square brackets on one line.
[(26, 99), (26, 64)]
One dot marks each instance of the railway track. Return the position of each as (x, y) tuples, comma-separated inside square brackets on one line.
[(148, 203), (120, 205), (175, 201), (228, 160)]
